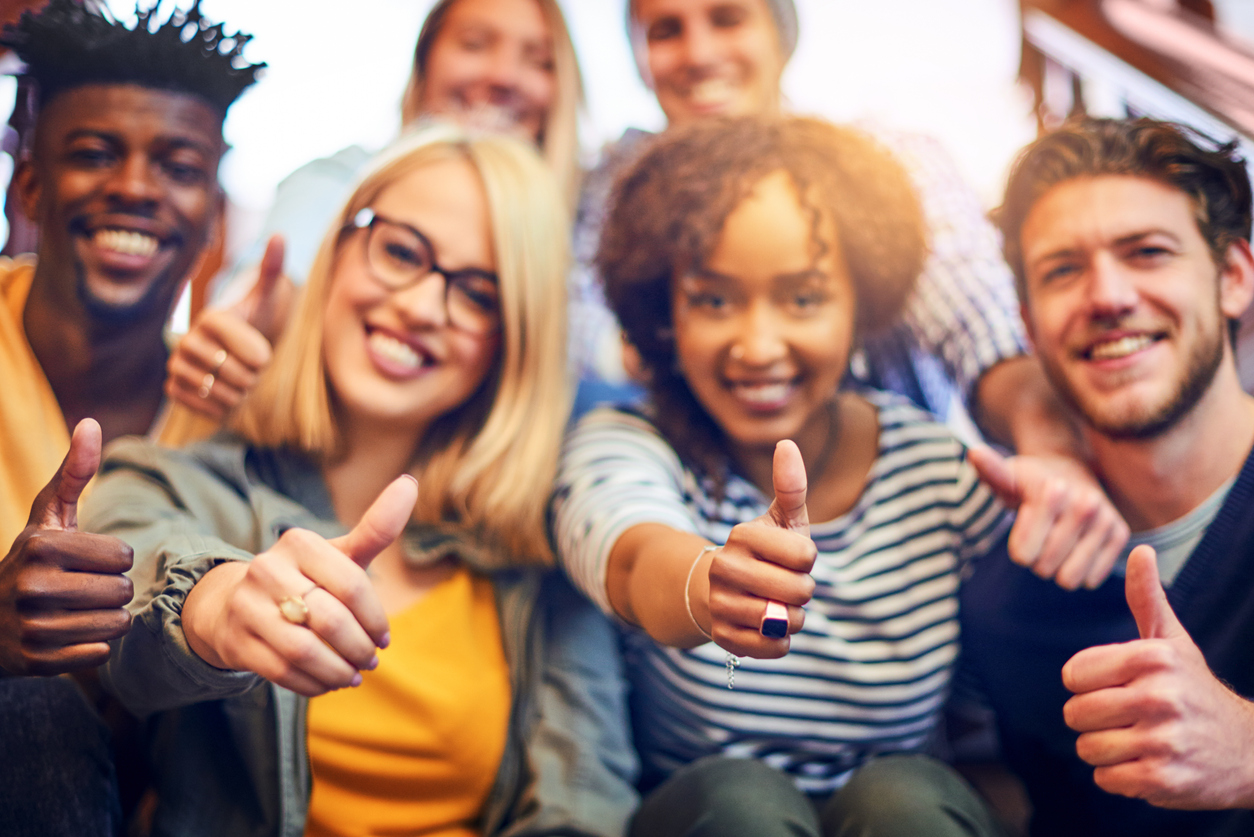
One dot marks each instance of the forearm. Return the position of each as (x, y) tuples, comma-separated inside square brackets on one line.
[(649, 567), (1016, 406)]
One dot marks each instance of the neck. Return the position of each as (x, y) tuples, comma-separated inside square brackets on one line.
[(1155, 481), (372, 458), (112, 373)]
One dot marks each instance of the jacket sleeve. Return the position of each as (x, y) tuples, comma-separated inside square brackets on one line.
[(579, 749), (172, 512)]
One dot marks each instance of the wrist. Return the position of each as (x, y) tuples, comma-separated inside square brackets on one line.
[(206, 606), (697, 592)]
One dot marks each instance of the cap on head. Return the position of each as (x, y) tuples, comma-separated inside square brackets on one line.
[(67, 45)]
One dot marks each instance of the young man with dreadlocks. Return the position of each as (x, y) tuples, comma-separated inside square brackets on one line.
[(121, 179)]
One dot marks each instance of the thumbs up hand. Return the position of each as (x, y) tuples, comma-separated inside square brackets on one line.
[(63, 592), (765, 562), (217, 362), (1153, 720), (303, 614)]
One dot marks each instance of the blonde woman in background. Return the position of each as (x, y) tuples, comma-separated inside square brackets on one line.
[(496, 65), (456, 686)]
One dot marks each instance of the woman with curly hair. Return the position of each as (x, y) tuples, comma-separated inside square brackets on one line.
[(746, 258)]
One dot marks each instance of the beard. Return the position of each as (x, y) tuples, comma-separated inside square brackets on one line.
[(1150, 421)]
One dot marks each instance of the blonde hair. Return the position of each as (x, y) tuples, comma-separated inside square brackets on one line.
[(488, 465), (559, 142)]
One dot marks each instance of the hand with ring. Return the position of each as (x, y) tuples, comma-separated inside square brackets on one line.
[(303, 614), (760, 579), (217, 362)]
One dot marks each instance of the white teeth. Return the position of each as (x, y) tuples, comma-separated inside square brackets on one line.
[(713, 91), (1122, 347), (762, 393), (127, 242), (394, 350)]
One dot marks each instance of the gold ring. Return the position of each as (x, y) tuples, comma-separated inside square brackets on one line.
[(219, 358), (294, 610), (206, 385)]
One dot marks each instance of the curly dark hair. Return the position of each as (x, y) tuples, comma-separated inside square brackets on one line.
[(1208, 171), (67, 45), (668, 210)]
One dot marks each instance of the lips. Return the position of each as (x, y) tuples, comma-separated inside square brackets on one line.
[(1120, 347), (711, 93), (126, 242), (763, 396), (396, 357)]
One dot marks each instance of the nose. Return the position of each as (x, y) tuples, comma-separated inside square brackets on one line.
[(761, 339), (504, 68), (699, 46), (1111, 290), (134, 184), (423, 304)]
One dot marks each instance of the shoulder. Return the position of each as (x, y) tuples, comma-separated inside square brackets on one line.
[(903, 424), (346, 162), (614, 427)]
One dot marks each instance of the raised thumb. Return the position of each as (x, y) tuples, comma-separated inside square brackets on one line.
[(262, 306), (788, 478), (56, 507), (996, 472), (382, 523), (1154, 617)]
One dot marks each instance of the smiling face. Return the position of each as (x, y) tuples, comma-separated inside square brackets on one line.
[(123, 186), (492, 65), (711, 57), (1125, 304), (392, 357), (764, 329)]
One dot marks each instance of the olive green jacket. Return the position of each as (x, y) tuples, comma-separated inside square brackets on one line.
[(229, 747)]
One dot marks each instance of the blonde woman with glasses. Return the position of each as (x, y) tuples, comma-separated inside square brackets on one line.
[(319, 663)]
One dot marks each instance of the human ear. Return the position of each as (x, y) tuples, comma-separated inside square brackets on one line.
[(1236, 279), (1025, 314), (29, 188)]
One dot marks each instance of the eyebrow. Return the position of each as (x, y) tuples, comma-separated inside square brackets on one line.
[(707, 274), (173, 140), (1121, 241)]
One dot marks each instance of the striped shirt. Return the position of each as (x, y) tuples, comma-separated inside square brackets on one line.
[(869, 672)]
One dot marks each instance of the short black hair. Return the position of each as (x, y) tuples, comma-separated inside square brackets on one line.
[(1210, 172), (67, 45)]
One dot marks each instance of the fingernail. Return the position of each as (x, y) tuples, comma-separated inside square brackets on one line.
[(385, 640), (356, 681), (411, 477), (374, 662)]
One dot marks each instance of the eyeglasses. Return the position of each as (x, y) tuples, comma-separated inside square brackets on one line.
[(400, 257)]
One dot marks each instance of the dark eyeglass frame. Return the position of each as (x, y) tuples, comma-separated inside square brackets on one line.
[(367, 219)]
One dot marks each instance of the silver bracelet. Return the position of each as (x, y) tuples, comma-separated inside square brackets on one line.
[(688, 583)]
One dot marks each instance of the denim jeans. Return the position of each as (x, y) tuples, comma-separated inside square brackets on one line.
[(896, 796), (56, 771)]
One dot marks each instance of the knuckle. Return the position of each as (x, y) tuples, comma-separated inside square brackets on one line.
[(305, 651)]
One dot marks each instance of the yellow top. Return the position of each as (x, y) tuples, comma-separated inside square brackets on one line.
[(416, 747), (33, 435)]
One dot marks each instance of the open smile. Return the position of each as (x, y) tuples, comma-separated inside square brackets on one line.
[(765, 395), (396, 356), (1121, 346)]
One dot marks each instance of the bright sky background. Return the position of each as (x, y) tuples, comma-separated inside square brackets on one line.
[(943, 67), (946, 68)]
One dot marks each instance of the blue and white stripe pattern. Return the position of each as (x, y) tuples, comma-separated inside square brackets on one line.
[(870, 670), (963, 317)]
